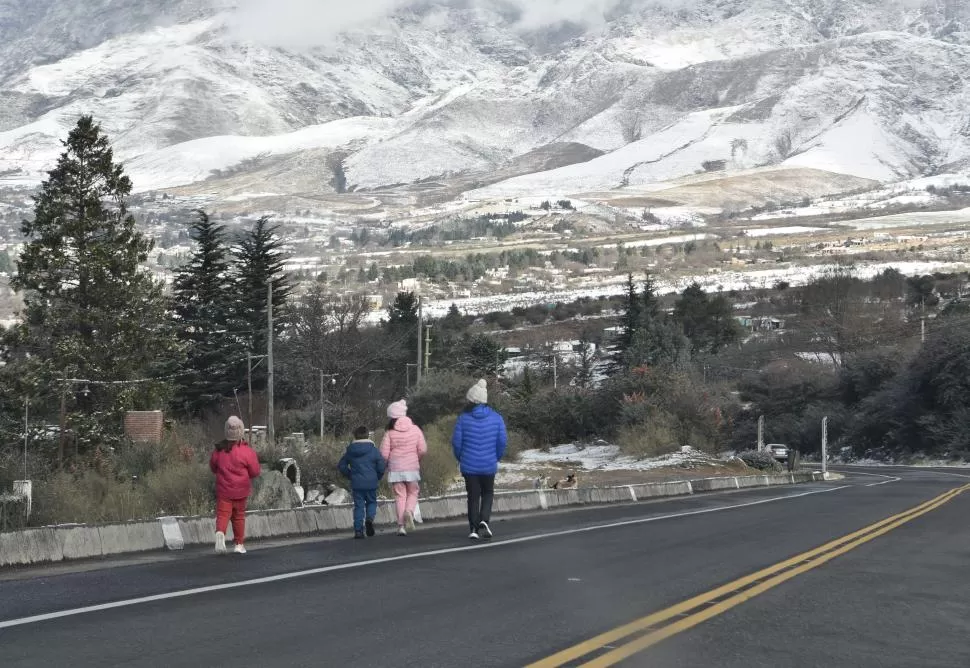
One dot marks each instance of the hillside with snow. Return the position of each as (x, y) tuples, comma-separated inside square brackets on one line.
[(467, 94)]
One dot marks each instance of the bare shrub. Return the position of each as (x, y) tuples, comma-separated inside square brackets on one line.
[(651, 438)]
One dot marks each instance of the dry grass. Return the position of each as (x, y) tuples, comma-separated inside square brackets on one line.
[(649, 439), (86, 497)]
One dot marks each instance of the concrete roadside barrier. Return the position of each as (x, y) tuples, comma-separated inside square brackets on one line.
[(131, 537), (714, 484), (30, 546), (79, 541), (70, 542)]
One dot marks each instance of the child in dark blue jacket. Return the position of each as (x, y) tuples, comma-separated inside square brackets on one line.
[(363, 464)]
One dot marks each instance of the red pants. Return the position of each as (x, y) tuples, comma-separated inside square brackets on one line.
[(237, 509)]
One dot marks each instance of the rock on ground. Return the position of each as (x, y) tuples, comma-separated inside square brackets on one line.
[(273, 490)]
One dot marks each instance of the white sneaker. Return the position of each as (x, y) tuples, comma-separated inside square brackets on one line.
[(473, 535), (409, 521), (220, 542), (240, 549), (401, 531), (483, 530)]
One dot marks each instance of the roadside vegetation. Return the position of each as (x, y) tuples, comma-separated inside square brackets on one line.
[(100, 336)]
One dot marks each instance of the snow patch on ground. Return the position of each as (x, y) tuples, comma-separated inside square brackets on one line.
[(771, 231), (603, 458)]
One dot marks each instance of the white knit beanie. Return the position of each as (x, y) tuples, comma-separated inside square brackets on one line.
[(235, 429), (478, 394), (397, 410)]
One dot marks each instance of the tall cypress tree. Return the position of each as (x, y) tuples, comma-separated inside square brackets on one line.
[(259, 260), (91, 311), (204, 302)]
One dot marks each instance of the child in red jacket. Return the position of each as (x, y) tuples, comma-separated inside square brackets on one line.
[(235, 465)]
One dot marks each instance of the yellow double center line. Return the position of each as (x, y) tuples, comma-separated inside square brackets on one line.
[(658, 626)]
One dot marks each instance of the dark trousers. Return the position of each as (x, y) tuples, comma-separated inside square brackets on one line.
[(480, 490), (362, 498)]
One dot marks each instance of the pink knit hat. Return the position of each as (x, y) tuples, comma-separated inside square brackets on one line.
[(397, 410)]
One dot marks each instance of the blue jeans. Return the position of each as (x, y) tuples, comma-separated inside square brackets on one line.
[(364, 497)]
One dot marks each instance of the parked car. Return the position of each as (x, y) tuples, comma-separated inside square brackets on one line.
[(779, 451)]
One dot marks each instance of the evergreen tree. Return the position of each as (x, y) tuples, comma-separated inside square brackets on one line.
[(259, 261), (630, 322), (204, 302), (402, 315), (707, 323), (483, 356), (585, 374), (91, 311)]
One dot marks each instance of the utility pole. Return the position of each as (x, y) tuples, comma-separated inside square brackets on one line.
[(270, 427), (62, 441), (761, 433), (427, 348), (825, 446), (321, 404), (249, 391), (26, 428), (420, 333)]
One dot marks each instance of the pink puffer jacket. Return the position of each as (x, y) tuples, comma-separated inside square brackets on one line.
[(403, 446)]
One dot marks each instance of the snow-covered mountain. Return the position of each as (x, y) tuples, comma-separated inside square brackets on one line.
[(493, 97)]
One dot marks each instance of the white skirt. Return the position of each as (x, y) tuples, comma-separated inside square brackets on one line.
[(404, 476)]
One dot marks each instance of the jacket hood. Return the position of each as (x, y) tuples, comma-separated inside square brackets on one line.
[(403, 424), (358, 448), (481, 411)]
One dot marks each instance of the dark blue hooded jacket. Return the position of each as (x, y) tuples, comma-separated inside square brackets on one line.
[(479, 440), (363, 464)]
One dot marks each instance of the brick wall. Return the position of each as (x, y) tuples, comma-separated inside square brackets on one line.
[(144, 426)]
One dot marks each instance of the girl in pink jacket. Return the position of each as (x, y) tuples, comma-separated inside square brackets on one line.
[(403, 447)]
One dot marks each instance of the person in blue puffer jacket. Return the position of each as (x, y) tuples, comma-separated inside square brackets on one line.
[(363, 464), (479, 443)]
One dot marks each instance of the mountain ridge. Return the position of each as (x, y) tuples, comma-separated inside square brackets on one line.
[(445, 90)]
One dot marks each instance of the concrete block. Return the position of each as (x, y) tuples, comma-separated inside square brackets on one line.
[(324, 518), (79, 542), (511, 502), (171, 533), (306, 523), (746, 481), (660, 489), (344, 517), (387, 513), (279, 523), (198, 530), (131, 537), (778, 479), (30, 546), (258, 526), (713, 484), (556, 498), (605, 495)]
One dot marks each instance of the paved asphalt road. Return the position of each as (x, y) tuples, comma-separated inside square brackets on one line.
[(546, 583)]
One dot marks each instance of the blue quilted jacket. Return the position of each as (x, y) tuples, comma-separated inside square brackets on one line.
[(479, 440)]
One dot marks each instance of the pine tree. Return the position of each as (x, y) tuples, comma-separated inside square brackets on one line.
[(631, 314), (402, 315), (204, 302), (585, 374), (91, 311), (259, 260)]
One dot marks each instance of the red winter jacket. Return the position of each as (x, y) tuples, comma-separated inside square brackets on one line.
[(234, 468)]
